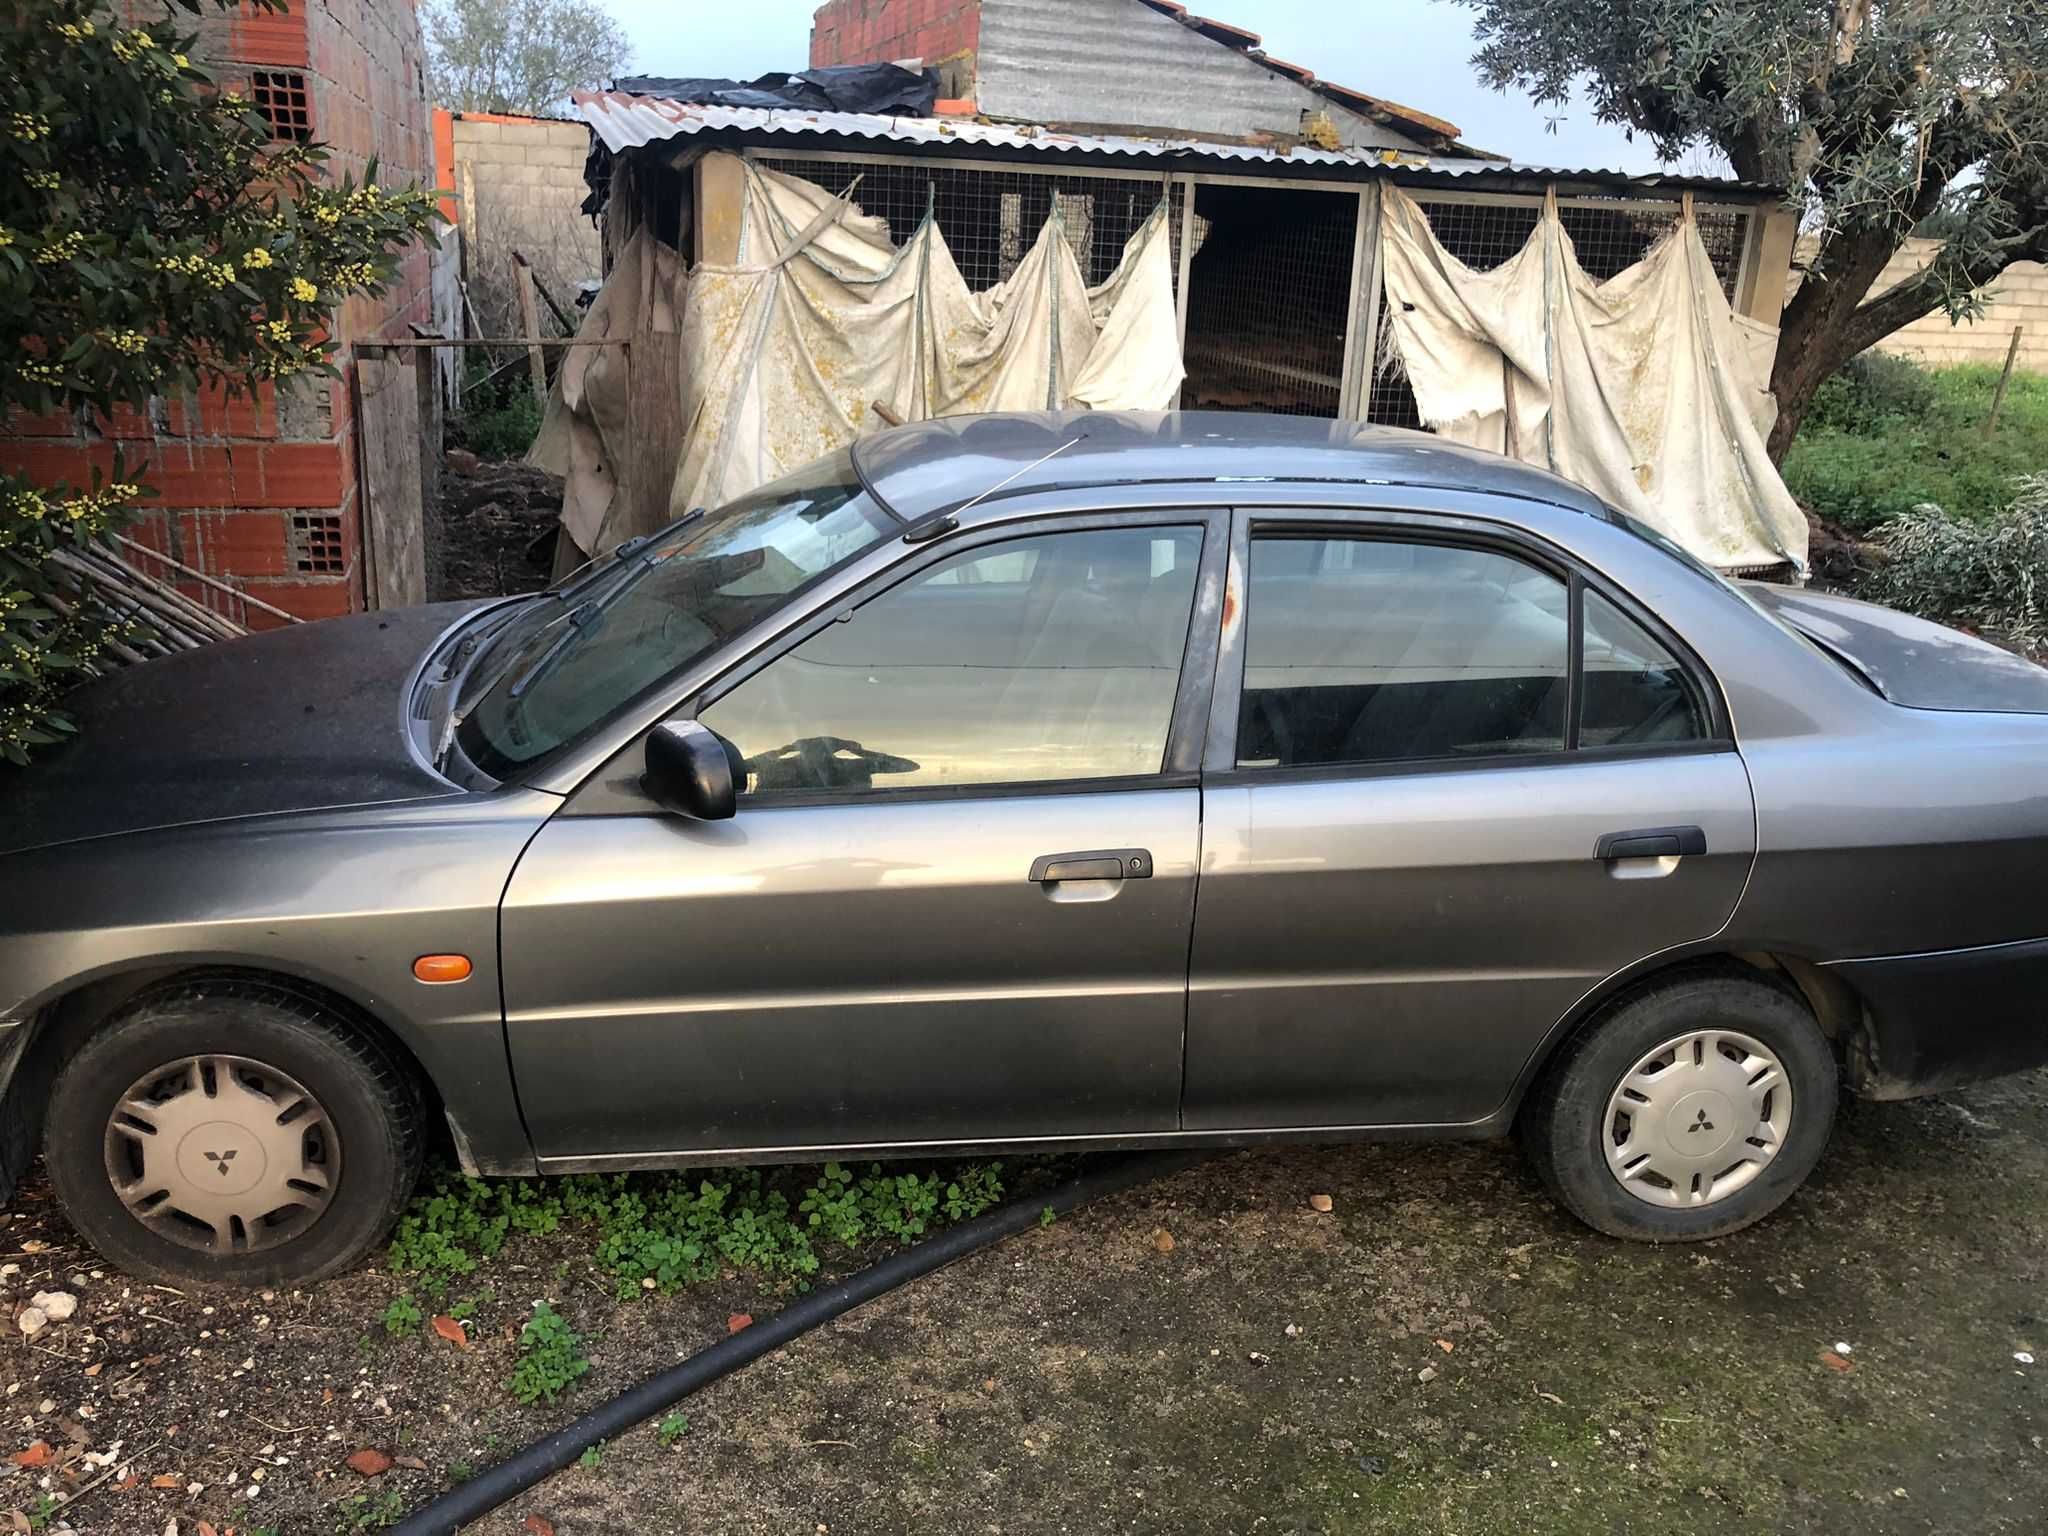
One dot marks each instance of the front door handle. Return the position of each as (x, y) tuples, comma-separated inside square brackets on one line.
[(1651, 843), (1098, 864)]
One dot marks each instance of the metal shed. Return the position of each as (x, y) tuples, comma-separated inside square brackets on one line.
[(1279, 299)]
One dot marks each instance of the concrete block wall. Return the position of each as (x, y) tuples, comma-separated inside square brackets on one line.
[(2018, 297), (262, 492), (946, 34), (519, 186)]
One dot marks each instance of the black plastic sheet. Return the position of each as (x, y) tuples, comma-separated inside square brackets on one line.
[(887, 89)]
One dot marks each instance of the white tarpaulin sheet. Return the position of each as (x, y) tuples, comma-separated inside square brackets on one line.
[(583, 435), (787, 353), (1646, 388)]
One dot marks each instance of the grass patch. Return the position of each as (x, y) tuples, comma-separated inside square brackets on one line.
[(1886, 435)]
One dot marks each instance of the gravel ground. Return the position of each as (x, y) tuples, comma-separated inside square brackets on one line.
[(1443, 1350)]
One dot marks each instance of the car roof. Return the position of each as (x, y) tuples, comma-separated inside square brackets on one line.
[(936, 466)]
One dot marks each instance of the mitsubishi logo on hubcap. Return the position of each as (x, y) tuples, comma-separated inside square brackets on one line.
[(1701, 1124), (220, 1161)]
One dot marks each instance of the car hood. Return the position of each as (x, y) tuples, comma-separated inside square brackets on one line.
[(1910, 661), (303, 718)]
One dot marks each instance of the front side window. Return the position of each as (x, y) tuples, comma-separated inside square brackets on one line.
[(578, 653), (1374, 651), (1038, 660)]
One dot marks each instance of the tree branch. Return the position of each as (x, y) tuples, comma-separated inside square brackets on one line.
[(1923, 293)]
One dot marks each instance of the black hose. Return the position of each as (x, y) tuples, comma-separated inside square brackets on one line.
[(548, 1455)]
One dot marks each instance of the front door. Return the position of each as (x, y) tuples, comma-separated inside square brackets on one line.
[(956, 901), (1416, 853)]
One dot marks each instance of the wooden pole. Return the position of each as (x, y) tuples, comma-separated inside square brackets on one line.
[(562, 317), (529, 322), (2012, 356)]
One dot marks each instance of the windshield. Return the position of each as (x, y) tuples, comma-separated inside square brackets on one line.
[(582, 650)]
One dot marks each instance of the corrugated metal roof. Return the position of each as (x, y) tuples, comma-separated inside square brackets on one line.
[(623, 121)]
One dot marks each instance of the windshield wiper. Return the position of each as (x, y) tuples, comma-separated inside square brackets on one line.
[(586, 619)]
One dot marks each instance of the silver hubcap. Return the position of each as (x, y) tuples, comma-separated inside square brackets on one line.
[(1697, 1118), (223, 1154)]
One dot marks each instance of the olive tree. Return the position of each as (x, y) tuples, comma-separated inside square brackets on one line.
[(521, 56), (153, 240), (1880, 118)]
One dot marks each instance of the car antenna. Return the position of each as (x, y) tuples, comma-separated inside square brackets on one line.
[(969, 506), (946, 522)]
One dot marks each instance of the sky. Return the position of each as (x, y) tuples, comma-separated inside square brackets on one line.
[(1416, 52)]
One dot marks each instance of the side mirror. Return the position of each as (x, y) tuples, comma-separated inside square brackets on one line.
[(690, 771)]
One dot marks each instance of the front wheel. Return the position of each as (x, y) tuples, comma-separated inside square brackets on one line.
[(230, 1132), (1689, 1109)]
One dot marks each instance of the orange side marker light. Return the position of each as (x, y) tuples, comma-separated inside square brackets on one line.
[(439, 970)]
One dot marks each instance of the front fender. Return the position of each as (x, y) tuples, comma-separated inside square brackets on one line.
[(339, 900)]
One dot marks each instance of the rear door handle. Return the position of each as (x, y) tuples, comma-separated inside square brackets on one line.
[(1651, 843), (1098, 864)]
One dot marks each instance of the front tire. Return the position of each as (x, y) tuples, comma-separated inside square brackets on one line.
[(232, 1132), (1689, 1109)]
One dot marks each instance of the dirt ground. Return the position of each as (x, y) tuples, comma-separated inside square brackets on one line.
[(1443, 1351), (492, 530)]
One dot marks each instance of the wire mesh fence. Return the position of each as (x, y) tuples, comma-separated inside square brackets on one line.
[(991, 218), (1269, 300)]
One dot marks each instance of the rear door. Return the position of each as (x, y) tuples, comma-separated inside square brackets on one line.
[(956, 901), (1451, 784)]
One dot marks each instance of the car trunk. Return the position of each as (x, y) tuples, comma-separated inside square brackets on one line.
[(1910, 661)]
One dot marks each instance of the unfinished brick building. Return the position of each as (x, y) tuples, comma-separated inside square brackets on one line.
[(1132, 65), (264, 494)]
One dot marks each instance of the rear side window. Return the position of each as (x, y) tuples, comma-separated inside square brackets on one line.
[(1039, 660), (1374, 651), (1636, 692)]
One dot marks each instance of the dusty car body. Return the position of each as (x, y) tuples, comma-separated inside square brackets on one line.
[(1261, 924)]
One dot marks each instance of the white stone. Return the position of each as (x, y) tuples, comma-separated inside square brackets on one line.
[(33, 1320), (56, 1305)]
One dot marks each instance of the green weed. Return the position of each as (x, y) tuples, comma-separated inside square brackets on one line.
[(500, 414), (403, 1316), (592, 1457), (663, 1231), (550, 1357), (368, 1512), (671, 1429)]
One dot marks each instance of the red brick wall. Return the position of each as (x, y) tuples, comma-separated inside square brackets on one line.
[(944, 33), (240, 485)]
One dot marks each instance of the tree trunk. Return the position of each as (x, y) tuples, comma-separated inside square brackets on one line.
[(1830, 320), (1811, 334)]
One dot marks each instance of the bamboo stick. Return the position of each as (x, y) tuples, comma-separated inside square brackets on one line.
[(211, 581), (113, 569)]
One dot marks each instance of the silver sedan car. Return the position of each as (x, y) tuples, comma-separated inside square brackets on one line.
[(1031, 782)]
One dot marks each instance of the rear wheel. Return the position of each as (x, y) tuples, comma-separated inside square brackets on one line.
[(229, 1132), (1690, 1109)]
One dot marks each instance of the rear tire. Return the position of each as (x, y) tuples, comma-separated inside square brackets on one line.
[(232, 1132), (1688, 1109)]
